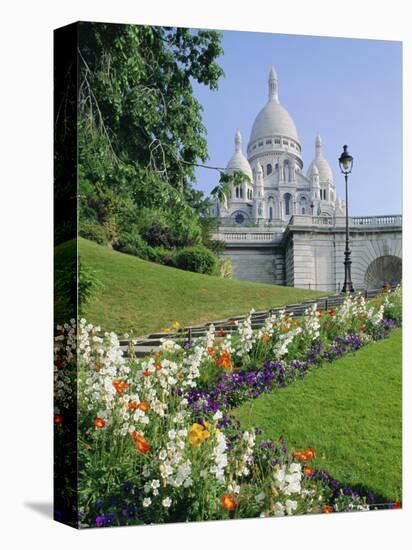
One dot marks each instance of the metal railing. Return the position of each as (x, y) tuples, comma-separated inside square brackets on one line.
[(190, 333)]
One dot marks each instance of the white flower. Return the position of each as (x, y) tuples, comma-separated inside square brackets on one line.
[(166, 502), (147, 502), (155, 484), (162, 454), (279, 509), (291, 506)]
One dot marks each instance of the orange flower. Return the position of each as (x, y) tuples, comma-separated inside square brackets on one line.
[(310, 453), (220, 332), (301, 456), (331, 312), (99, 422), (284, 328), (181, 376), (327, 509), (228, 502), (308, 471), (265, 338), (143, 406), (147, 373), (224, 360), (142, 444), (97, 367), (158, 354), (397, 504), (158, 366), (133, 405), (211, 351), (58, 419), (120, 386)]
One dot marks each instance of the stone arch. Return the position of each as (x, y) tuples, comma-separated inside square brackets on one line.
[(384, 269)]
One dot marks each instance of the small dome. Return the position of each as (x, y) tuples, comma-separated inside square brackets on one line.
[(321, 164), (273, 119), (238, 162)]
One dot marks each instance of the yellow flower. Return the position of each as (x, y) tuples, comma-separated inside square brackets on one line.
[(198, 434)]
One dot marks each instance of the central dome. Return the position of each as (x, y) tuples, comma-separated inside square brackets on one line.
[(273, 119)]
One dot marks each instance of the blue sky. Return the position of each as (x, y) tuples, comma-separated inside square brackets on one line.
[(347, 90)]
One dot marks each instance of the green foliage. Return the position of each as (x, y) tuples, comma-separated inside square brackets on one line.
[(94, 232), (198, 259), (88, 284), (140, 130), (222, 191)]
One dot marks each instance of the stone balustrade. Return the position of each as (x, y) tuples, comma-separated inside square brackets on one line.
[(272, 233)]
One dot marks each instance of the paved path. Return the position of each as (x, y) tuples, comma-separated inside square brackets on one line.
[(149, 344)]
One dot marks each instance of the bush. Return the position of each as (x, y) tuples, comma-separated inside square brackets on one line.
[(159, 234), (94, 232), (134, 244), (196, 258), (225, 268), (165, 256)]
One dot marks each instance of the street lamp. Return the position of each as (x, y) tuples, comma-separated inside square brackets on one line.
[(345, 164)]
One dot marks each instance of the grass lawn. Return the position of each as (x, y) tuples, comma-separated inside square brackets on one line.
[(350, 411), (144, 296)]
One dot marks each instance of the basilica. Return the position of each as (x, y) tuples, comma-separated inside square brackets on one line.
[(283, 225), (276, 187)]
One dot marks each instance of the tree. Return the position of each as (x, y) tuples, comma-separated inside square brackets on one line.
[(140, 127)]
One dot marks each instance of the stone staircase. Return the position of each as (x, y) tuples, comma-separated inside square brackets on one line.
[(149, 344)]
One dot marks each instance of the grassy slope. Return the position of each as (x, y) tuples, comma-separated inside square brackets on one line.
[(143, 296), (350, 411)]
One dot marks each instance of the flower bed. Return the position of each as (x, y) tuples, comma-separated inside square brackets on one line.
[(155, 445)]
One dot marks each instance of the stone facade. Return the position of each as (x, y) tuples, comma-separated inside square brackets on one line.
[(281, 226), (308, 253)]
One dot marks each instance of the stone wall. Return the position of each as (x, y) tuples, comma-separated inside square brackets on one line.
[(258, 264)]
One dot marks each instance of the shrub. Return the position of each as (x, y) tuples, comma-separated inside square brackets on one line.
[(159, 234), (198, 259), (94, 232), (133, 243), (225, 268), (165, 256)]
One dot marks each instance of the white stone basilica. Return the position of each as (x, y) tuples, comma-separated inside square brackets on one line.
[(287, 228), (277, 188)]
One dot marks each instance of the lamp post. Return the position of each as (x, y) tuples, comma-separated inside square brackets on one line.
[(345, 164)]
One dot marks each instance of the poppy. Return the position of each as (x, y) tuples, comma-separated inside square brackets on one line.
[(228, 502), (142, 444), (58, 419), (99, 422)]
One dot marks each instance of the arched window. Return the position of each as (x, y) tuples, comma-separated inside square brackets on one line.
[(237, 192), (241, 193), (270, 213), (287, 198), (303, 204), (286, 170), (268, 169)]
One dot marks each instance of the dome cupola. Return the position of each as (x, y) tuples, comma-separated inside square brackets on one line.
[(320, 164), (238, 161), (273, 130)]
